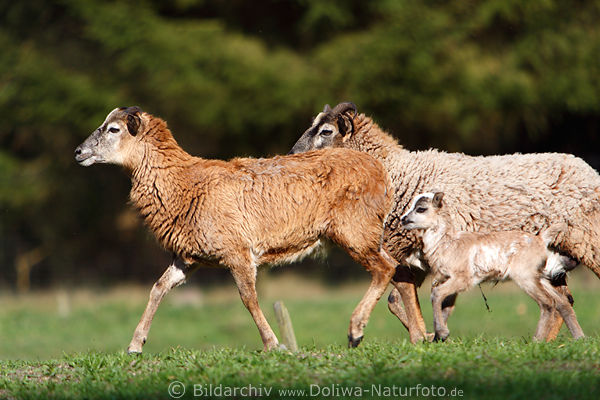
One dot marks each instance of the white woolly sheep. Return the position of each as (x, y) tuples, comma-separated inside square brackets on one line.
[(460, 260), (527, 192), (246, 212)]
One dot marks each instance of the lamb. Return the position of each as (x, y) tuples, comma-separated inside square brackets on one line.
[(527, 192), (246, 212), (461, 260)]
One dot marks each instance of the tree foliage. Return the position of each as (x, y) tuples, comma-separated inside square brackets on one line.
[(244, 78)]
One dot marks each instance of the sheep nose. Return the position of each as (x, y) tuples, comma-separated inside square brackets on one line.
[(81, 154), (404, 220)]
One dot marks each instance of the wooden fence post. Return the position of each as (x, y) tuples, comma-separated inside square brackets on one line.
[(286, 329)]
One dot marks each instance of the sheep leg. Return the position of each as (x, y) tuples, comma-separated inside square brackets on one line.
[(245, 279), (174, 276), (381, 266), (560, 285), (565, 308), (546, 316), (568, 314), (396, 308), (555, 322), (534, 287), (448, 306), (440, 291), (412, 318)]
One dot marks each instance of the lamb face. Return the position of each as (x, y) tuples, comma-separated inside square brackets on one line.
[(423, 212)]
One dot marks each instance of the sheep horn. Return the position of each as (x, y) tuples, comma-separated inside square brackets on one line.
[(132, 110), (345, 107)]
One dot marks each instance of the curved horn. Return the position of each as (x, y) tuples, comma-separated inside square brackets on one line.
[(131, 110), (345, 107)]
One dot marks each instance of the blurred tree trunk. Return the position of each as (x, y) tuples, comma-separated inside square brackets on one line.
[(23, 264)]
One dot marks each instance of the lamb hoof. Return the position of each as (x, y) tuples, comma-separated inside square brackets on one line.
[(352, 342), (132, 351), (281, 347), (273, 346)]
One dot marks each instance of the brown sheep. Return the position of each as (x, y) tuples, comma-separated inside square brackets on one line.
[(526, 192), (246, 212)]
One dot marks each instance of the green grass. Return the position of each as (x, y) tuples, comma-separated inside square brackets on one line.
[(480, 368), (70, 345)]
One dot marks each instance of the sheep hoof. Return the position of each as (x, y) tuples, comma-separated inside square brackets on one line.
[(352, 342), (440, 337)]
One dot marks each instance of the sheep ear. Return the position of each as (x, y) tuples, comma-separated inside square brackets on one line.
[(327, 108), (345, 115), (133, 120), (345, 126), (437, 200)]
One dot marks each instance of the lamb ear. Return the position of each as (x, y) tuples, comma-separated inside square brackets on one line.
[(437, 199), (133, 120), (327, 108)]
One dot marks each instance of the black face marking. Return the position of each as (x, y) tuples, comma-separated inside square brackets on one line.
[(423, 202)]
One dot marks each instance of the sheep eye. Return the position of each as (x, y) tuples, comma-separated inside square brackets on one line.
[(420, 210), (326, 132), (113, 130)]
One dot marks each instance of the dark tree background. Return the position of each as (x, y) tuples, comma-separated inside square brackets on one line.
[(244, 78)]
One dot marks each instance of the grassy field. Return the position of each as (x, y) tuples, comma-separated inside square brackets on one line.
[(69, 344)]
